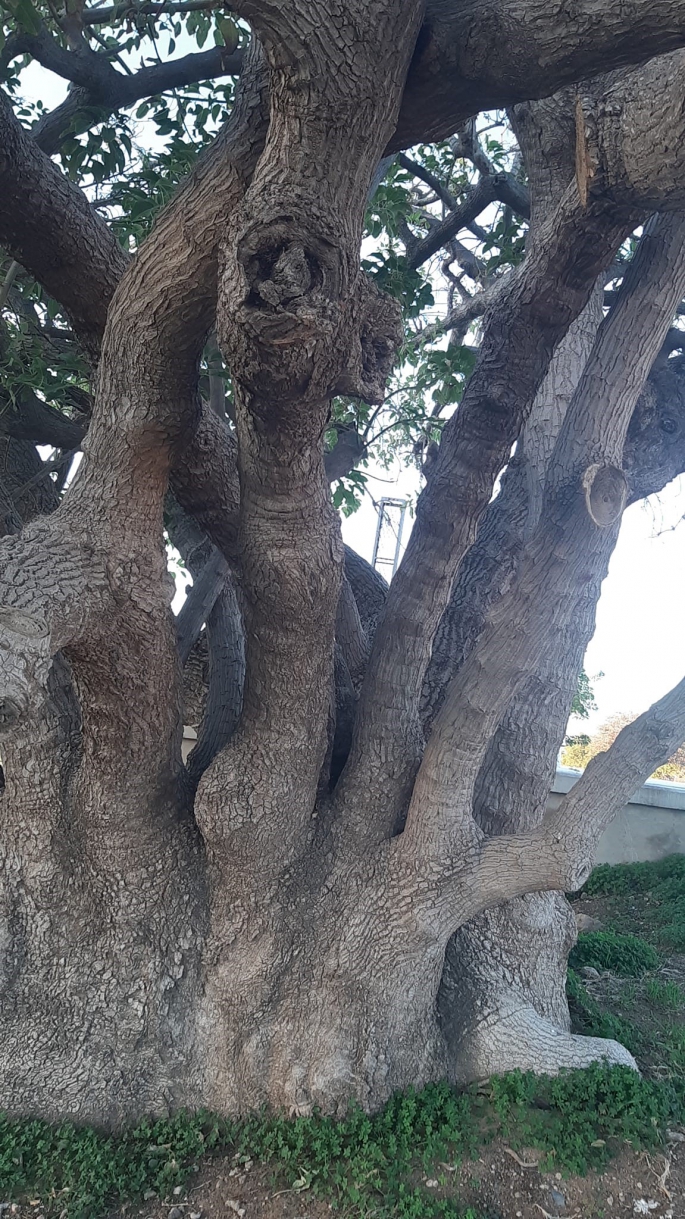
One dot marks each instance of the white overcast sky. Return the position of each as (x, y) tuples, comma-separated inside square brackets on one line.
[(639, 642)]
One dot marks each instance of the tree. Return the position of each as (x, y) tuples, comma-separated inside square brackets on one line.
[(577, 753), (353, 885)]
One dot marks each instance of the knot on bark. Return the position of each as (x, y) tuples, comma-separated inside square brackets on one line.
[(285, 310), (376, 339), (606, 493)]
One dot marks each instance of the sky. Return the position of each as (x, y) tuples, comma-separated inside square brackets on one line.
[(639, 642)]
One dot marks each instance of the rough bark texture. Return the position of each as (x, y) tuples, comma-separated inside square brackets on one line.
[(290, 918)]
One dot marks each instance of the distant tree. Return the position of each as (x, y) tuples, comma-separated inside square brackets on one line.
[(579, 751)]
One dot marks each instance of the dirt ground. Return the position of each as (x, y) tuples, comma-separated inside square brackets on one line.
[(498, 1185)]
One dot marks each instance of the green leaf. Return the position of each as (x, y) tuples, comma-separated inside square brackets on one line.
[(26, 16)]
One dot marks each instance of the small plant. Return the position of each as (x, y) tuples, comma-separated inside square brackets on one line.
[(627, 955), (661, 886), (666, 994), (634, 877), (363, 1164)]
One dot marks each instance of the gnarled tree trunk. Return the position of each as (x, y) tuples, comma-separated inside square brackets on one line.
[(338, 895)]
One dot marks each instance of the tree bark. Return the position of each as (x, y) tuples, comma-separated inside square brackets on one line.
[(248, 929)]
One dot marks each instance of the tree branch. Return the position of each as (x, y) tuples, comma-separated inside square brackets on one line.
[(541, 299), (199, 603), (145, 409), (29, 418), (226, 646), (108, 14), (49, 226), (83, 107), (584, 499), (487, 55)]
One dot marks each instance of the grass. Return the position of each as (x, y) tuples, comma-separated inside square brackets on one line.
[(371, 1165), (666, 994), (368, 1164), (628, 955), (646, 1014), (646, 898)]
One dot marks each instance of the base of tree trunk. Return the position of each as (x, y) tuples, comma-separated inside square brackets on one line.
[(502, 999)]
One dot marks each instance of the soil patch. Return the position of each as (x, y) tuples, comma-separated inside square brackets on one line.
[(497, 1185)]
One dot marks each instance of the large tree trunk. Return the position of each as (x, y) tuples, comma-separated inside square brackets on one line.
[(271, 923)]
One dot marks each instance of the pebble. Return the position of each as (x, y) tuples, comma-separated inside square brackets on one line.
[(557, 1197), (588, 971), (175, 1213)]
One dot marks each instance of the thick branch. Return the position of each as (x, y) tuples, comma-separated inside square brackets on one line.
[(225, 641), (107, 14), (584, 500), (49, 226), (294, 313), (485, 55), (29, 418), (83, 106), (199, 603), (560, 854), (110, 573), (541, 299)]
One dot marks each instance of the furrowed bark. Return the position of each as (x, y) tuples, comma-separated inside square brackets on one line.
[(560, 853), (292, 312), (132, 851), (514, 1032), (477, 440), (585, 496), (543, 298), (478, 56), (296, 324), (502, 998), (275, 956)]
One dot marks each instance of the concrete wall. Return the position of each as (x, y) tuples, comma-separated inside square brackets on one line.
[(650, 826)]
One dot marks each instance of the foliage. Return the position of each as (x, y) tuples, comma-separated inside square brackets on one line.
[(661, 917), (646, 1015), (364, 1164), (131, 162), (666, 994), (584, 697), (576, 1115), (591, 1021), (627, 955)]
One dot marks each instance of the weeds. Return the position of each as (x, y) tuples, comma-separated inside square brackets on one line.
[(626, 955), (660, 915), (363, 1163), (666, 994)]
